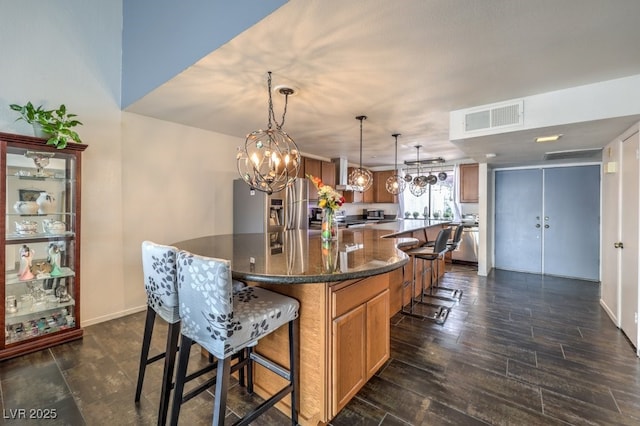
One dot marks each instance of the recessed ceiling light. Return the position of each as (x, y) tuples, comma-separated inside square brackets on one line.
[(551, 138)]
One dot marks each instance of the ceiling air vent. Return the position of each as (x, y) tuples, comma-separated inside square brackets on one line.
[(494, 116), (573, 154)]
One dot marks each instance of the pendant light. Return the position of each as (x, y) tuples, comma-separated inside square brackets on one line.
[(395, 184), (270, 158), (361, 179), (418, 185)]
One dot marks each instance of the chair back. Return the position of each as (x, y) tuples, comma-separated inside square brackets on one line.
[(440, 245), (457, 236), (206, 301), (159, 269)]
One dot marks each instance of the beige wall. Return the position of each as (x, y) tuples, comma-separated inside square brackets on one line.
[(142, 178)]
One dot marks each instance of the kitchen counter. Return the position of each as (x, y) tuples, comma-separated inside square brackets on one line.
[(298, 257), (402, 227), (344, 294)]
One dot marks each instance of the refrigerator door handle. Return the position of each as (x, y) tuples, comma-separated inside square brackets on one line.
[(288, 209)]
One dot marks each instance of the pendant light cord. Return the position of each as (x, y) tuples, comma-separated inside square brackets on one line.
[(395, 135), (361, 118)]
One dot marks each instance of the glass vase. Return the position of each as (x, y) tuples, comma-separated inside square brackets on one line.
[(329, 256), (329, 226)]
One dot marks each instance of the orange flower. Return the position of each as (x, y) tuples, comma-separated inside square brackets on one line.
[(327, 196)]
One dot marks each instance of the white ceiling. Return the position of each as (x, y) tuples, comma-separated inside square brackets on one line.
[(406, 64)]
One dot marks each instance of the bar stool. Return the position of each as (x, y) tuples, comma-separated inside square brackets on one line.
[(225, 323), (452, 244), (160, 275), (431, 254)]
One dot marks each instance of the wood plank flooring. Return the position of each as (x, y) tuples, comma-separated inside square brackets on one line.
[(518, 349)]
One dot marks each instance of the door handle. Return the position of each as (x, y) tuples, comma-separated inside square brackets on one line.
[(618, 245), (546, 226), (537, 225)]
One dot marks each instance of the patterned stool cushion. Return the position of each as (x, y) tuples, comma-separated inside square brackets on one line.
[(159, 269), (219, 319)]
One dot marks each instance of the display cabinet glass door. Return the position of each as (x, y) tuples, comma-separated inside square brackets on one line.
[(40, 291)]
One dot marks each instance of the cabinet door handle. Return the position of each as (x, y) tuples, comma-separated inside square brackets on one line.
[(546, 226), (618, 245), (537, 225)]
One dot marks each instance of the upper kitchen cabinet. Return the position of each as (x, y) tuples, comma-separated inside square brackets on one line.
[(313, 167), (469, 183), (40, 244), (325, 170), (381, 195), (328, 175)]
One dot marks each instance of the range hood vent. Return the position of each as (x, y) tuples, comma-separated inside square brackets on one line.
[(342, 174), (574, 154), (493, 116)]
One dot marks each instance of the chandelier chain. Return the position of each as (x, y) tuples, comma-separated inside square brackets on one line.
[(272, 115)]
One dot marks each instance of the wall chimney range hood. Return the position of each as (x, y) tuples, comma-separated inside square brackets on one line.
[(342, 175)]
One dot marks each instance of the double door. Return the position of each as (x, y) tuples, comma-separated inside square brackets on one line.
[(547, 221)]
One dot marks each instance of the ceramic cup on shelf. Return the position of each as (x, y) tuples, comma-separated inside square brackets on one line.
[(46, 203), (26, 207), (54, 226), (26, 227), (12, 305)]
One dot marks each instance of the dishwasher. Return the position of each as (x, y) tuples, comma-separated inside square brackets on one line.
[(467, 251)]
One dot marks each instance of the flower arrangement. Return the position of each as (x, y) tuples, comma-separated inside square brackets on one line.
[(327, 196)]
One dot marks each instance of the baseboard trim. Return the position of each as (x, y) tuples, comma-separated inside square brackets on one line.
[(114, 315), (610, 313)]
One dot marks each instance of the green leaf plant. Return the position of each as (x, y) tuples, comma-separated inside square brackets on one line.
[(57, 123)]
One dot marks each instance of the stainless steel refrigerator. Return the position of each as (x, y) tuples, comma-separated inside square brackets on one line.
[(257, 212), (297, 205)]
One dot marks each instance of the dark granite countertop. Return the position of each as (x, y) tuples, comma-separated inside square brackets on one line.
[(406, 226), (296, 257)]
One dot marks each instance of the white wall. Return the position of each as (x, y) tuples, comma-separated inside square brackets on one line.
[(486, 222), (141, 178)]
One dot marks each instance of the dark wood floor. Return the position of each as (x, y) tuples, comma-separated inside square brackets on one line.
[(519, 349)]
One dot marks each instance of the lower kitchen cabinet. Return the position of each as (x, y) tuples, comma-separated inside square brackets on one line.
[(360, 336)]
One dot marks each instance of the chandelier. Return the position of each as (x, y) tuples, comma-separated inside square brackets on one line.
[(395, 184), (418, 185), (270, 159), (360, 178)]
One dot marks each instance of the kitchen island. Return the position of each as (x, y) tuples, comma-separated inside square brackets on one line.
[(347, 291), (343, 289)]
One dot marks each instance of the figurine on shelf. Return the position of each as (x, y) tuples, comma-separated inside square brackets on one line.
[(54, 260), (62, 294), (26, 257)]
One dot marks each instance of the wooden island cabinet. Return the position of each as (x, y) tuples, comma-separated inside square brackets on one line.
[(359, 335)]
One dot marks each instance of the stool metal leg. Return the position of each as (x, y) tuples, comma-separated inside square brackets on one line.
[(441, 313), (293, 369), (144, 353), (456, 294), (222, 386), (167, 376), (181, 374)]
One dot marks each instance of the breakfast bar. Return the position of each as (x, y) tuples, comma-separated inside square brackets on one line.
[(344, 290)]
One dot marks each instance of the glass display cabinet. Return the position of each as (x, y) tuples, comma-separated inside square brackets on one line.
[(40, 244)]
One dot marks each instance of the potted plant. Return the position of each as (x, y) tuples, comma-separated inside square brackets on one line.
[(56, 124)]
